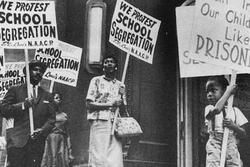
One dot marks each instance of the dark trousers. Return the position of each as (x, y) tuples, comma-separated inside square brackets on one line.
[(28, 156)]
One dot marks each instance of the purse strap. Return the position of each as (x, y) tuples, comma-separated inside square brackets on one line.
[(115, 120)]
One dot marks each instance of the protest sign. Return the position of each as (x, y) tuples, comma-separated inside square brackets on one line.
[(134, 31), (188, 66), (220, 33), (63, 62), (13, 76), (27, 24), (2, 61)]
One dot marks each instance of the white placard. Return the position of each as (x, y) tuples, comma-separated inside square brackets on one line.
[(134, 31), (221, 33), (27, 24), (188, 66), (63, 62), (13, 76)]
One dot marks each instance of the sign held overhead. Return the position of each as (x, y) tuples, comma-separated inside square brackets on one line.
[(27, 24), (221, 33), (134, 31), (63, 63)]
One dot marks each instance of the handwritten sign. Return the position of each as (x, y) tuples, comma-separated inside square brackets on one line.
[(221, 33), (134, 31), (27, 24), (188, 66), (63, 63)]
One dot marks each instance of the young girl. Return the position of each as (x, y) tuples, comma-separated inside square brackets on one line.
[(58, 151), (217, 117)]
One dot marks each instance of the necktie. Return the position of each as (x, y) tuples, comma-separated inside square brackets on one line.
[(34, 91)]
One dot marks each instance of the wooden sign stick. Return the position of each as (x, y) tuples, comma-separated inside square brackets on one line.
[(51, 86), (29, 89), (226, 130), (123, 80)]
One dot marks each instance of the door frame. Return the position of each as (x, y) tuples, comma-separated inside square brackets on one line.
[(184, 123)]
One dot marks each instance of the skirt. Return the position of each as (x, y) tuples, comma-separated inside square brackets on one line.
[(56, 151), (105, 150)]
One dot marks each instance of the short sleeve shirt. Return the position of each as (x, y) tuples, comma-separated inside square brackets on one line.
[(235, 115), (102, 90)]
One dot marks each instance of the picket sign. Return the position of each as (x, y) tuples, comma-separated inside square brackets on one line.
[(5, 124), (29, 89), (123, 80), (138, 50), (226, 130)]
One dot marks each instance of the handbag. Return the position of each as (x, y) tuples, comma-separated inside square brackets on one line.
[(127, 127)]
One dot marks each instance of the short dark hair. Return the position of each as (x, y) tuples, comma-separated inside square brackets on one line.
[(220, 79), (112, 57), (56, 92), (34, 63)]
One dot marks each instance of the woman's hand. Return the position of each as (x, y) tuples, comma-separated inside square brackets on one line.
[(117, 103), (121, 90)]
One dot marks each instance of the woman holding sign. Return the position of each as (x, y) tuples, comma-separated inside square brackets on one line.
[(104, 95)]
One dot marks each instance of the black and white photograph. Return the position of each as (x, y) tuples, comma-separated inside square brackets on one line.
[(124, 83)]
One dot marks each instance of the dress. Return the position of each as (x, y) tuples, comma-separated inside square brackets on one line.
[(105, 150), (214, 143), (56, 153)]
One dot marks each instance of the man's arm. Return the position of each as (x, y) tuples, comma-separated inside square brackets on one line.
[(10, 108), (50, 123)]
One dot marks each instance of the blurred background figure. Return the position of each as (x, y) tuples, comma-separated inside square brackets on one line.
[(58, 151)]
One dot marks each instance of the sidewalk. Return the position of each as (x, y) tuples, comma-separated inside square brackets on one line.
[(81, 165)]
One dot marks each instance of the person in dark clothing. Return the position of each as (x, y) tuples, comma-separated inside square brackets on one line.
[(23, 148)]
